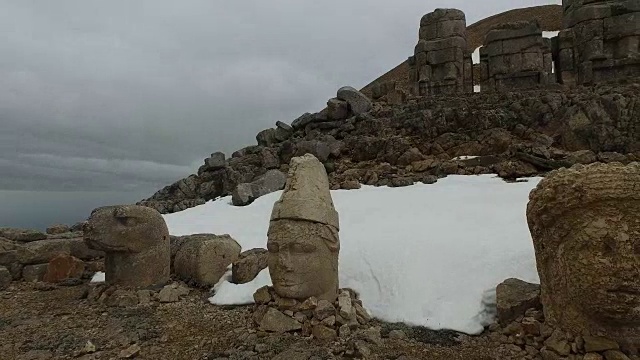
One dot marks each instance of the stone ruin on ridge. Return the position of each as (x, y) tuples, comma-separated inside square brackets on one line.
[(585, 224), (303, 245), (515, 55), (441, 63), (600, 41)]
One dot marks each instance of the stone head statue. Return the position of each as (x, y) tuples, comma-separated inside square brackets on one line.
[(136, 242), (585, 224), (303, 240)]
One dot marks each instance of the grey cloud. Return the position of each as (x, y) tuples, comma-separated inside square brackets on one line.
[(106, 95)]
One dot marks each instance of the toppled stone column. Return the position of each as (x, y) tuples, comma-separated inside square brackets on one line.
[(604, 40), (136, 242), (303, 240), (515, 56), (585, 224), (441, 57)]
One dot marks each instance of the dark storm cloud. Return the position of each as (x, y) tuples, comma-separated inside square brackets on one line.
[(124, 95)]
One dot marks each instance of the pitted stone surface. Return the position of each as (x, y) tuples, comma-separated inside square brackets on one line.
[(136, 242), (441, 64), (585, 224)]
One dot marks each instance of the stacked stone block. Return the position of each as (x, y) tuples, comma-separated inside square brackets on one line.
[(515, 56), (441, 64), (601, 40)]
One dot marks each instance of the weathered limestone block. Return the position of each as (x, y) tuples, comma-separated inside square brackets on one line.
[(34, 273), (441, 54), (303, 240), (40, 252), (585, 225), (58, 229), (248, 265), (246, 193), (22, 235), (136, 242), (204, 258), (63, 267), (358, 102), (605, 40), (516, 56)]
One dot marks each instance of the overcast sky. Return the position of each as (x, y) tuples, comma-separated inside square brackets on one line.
[(108, 101)]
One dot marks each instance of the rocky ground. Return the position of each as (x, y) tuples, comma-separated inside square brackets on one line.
[(43, 321)]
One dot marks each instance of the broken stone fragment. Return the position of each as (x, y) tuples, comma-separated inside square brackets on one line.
[(249, 264), (63, 267), (514, 297), (275, 321), (204, 258)]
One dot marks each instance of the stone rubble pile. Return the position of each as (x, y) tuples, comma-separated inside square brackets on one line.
[(119, 296), (321, 319)]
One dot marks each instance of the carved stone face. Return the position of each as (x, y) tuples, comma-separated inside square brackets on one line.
[(126, 229), (302, 260), (600, 260)]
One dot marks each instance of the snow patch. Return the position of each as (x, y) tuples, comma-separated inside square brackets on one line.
[(422, 254), (475, 57), (98, 277)]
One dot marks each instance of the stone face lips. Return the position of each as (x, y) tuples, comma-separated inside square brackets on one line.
[(585, 223), (136, 242), (303, 241)]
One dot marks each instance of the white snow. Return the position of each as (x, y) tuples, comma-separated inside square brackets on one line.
[(98, 277), (475, 57), (464, 157), (477, 88), (550, 34), (426, 255)]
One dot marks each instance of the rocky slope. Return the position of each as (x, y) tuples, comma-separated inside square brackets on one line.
[(420, 139)]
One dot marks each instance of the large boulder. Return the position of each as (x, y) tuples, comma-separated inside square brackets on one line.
[(246, 193), (22, 235), (63, 267), (358, 102), (248, 265), (216, 161), (585, 222), (58, 229), (514, 297), (204, 258), (40, 252)]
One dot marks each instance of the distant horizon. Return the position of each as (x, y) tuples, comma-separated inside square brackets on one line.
[(38, 210)]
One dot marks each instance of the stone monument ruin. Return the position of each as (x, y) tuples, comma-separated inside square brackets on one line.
[(601, 41), (441, 63), (303, 240), (585, 224), (303, 247), (515, 55), (135, 240)]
